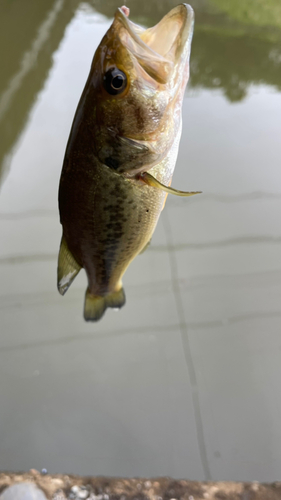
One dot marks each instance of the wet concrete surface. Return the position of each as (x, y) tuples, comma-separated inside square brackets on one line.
[(184, 380)]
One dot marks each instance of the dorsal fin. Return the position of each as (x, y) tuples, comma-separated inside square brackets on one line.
[(68, 268)]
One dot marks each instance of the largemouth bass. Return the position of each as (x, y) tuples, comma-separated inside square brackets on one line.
[(121, 153)]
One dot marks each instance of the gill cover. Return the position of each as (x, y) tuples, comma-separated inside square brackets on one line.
[(137, 82)]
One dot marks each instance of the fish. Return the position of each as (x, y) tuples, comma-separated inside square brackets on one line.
[(121, 153)]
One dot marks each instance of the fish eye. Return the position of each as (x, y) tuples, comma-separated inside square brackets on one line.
[(114, 81)]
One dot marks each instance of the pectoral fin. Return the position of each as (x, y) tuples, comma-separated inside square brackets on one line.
[(151, 181), (68, 268)]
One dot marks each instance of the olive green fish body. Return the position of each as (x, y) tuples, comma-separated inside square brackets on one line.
[(121, 153), (108, 219)]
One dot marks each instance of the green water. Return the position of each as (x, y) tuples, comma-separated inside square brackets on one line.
[(185, 380)]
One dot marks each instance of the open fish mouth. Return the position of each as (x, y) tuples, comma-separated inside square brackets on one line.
[(164, 48)]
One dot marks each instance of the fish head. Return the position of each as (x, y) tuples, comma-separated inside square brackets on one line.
[(136, 87)]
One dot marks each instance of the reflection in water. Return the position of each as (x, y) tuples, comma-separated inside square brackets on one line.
[(25, 67), (29, 59), (234, 62), (259, 13), (226, 55)]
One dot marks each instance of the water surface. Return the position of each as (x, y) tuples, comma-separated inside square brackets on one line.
[(185, 380)]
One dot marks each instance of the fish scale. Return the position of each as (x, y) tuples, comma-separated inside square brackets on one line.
[(121, 154)]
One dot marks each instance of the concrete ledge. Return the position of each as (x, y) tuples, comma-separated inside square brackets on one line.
[(61, 487)]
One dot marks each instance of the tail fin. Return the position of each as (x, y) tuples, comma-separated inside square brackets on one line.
[(95, 305)]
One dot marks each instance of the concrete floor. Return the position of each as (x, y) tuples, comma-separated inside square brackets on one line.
[(185, 380)]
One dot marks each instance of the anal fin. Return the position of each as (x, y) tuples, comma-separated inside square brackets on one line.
[(145, 247), (95, 305), (68, 268)]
